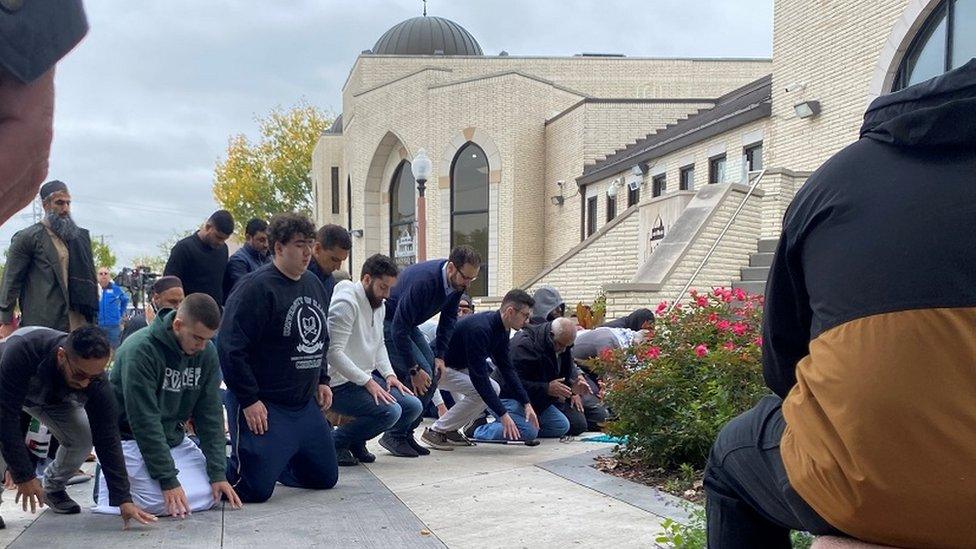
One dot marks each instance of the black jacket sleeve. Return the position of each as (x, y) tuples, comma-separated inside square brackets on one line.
[(233, 273), (176, 264), (242, 326), (17, 365), (103, 416), (525, 358), (787, 317), (499, 355), (445, 325)]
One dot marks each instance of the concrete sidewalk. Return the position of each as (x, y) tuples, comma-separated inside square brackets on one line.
[(484, 496)]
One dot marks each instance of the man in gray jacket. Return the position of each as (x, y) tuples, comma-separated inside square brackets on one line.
[(50, 272)]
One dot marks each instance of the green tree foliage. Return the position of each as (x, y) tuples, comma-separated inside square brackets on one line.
[(102, 254), (271, 176)]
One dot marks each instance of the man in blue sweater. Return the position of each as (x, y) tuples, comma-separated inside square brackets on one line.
[(332, 245), (423, 290), (272, 348), (477, 338), (252, 255)]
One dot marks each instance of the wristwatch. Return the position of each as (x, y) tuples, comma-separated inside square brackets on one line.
[(414, 370)]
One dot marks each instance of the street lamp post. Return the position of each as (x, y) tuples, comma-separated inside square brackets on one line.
[(421, 168)]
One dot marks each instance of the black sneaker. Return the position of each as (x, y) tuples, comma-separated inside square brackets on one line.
[(345, 458), (470, 429), (2, 524), (416, 445), (436, 440), (62, 504), (455, 438), (398, 446), (360, 452)]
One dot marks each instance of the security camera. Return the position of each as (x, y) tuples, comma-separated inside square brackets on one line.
[(795, 86)]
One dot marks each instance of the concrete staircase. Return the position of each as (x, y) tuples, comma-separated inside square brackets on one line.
[(752, 279)]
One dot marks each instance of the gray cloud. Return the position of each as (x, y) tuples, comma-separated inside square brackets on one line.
[(146, 103)]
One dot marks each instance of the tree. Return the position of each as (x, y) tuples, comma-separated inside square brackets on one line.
[(102, 254), (156, 263), (271, 176)]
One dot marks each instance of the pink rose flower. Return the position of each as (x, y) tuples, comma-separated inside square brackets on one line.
[(701, 301), (701, 350), (728, 346), (758, 341), (723, 325), (653, 352), (739, 329), (606, 354), (661, 307)]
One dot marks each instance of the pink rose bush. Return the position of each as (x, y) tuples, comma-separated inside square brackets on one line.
[(699, 368)]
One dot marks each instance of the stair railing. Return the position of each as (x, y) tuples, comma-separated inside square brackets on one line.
[(759, 175)]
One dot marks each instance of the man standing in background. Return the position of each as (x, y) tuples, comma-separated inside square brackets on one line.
[(111, 306), (253, 254), (332, 245), (200, 259)]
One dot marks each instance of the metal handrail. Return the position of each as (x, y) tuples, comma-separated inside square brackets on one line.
[(725, 230)]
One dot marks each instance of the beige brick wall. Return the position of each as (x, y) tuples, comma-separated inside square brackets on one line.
[(832, 47), (611, 257)]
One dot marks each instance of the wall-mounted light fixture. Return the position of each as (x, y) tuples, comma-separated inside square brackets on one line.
[(612, 188), (358, 233), (807, 109), (557, 200), (639, 169)]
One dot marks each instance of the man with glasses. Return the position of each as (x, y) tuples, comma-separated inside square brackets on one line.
[(477, 338), (332, 245), (111, 306), (50, 272), (422, 291), (59, 379), (272, 348)]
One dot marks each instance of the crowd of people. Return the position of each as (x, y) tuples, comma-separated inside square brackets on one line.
[(258, 351)]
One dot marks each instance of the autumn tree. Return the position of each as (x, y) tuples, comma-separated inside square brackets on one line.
[(102, 254), (271, 176)]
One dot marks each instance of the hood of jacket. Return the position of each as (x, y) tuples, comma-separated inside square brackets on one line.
[(940, 112), (546, 299), (161, 329)]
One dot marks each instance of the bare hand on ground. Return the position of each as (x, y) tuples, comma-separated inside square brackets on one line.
[(223, 488), (131, 511), (176, 502), (30, 491)]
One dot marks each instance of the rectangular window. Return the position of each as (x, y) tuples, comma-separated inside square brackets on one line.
[(633, 196), (659, 185), (611, 208), (716, 170), (590, 216), (335, 190), (583, 206), (752, 157), (687, 178)]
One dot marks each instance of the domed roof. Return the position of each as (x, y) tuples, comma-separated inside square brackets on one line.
[(427, 35)]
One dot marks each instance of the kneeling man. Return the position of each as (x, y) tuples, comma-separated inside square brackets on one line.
[(541, 355), (272, 347), (163, 376), (378, 403)]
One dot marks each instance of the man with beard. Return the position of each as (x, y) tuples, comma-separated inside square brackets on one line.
[(50, 272), (423, 290), (377, 403), (272, 348), (253, 254), (200, 259)]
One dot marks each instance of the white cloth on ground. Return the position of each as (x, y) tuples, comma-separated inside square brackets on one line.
[(146, 493)]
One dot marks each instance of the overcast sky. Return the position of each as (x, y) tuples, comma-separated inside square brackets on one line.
[(146, 102)]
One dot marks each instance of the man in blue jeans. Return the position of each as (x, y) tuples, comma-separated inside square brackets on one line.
[(272, 348), (541, 355), (423, 290), (111, 306), (376, 403)]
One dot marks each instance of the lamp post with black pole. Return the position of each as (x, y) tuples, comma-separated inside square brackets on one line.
[(421, 168)]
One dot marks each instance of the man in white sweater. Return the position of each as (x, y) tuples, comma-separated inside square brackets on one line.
[(364, 385)]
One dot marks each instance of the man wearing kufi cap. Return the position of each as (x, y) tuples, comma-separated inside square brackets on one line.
[(167, 293), (50, 273)]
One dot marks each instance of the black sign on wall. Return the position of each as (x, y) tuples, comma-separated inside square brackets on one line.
[(657, 231)]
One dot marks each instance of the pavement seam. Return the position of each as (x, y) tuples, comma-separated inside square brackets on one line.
[(407, 507), (24, 531)]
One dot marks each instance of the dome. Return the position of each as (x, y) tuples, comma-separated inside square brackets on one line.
[(427, 36)]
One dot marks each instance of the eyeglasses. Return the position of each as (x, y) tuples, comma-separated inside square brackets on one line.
[(78, 375)]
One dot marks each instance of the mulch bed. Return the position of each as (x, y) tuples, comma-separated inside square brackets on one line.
[(667, 481)]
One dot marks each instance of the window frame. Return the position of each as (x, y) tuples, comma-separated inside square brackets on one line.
[(946, 10), (336, 208), (713, 178), (485, 263), (659, 185), (592, 208), (394, 201), (682, 171)]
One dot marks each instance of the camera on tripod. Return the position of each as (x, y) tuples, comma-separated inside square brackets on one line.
[(137, 281)]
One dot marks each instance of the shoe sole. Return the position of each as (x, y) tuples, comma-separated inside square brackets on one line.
[(74, 511)]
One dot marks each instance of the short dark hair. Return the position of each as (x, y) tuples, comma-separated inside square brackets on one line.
[(379, 265), (333, 236), (255, 226), (285, 226), (464, 255), (223, 221), (517, 298), (200, 308), (88, 342)]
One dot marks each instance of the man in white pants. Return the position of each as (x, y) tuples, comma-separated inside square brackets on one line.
[(164, 376), (477, 338)]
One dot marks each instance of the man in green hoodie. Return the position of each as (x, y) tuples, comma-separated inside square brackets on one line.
[(162, 377)]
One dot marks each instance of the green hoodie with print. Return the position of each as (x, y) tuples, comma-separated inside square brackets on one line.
[(159, 387)]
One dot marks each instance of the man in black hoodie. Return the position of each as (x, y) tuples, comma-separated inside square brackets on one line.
[(868, 343)]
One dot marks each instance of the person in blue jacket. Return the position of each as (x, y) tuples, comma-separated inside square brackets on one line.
[(272, 349), (423, 290), (253, 254), (111, 306)]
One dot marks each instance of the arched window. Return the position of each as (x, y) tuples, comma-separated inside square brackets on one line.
[(946, 41), (469, 208), (403, 215)]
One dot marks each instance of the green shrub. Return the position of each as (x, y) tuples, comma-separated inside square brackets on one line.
[(699, 368)]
